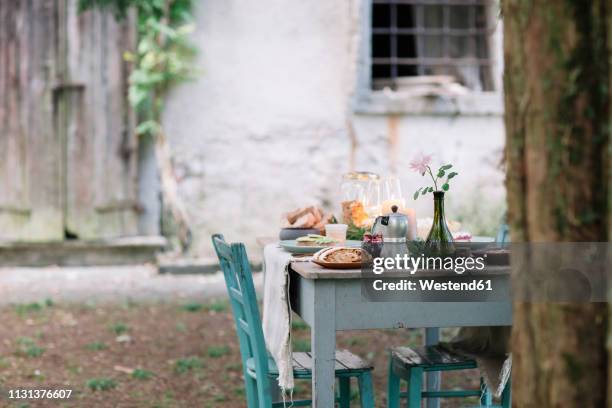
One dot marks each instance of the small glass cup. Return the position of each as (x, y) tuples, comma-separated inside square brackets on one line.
[(336, 232)]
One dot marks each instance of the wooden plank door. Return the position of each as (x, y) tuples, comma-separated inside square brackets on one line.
[(30, 151), (67, 142), (96, 124)]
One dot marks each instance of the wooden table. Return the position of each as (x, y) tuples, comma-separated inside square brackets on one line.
[(331, 300)]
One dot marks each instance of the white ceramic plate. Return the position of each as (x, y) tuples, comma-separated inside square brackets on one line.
[(294, 248)]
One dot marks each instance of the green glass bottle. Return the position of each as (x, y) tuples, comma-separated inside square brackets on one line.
[(439, 240)]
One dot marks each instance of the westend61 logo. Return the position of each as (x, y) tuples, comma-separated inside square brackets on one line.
[(480, 272), (412, 264), (453, 267), (406, 272)]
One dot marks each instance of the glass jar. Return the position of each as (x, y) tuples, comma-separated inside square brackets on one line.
[(354, 188)]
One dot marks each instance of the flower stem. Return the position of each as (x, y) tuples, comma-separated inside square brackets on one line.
[(432, 177)]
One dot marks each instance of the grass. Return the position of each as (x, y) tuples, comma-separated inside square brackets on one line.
[(101, 384), (168, 401), (142, 374), (220, 398), (74, 369), (301, 345), (218, 306), (27, 346), (32, 307), (298, 324), (237, 366), (217, 351), (356, 341), (119, 328), (177, 358), (96, 346), (4, 363), (192, 307), (183, 365)]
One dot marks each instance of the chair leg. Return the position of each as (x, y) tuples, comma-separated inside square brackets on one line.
[(415, 386), (366, 390), (393, 388), (345, 392), (506, 397), (251, 391), (486, 400)]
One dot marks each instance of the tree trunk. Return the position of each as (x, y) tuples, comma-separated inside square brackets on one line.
[(557, 118)]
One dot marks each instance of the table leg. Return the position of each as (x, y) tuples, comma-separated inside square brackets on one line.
[(432, 337), (323, 344)]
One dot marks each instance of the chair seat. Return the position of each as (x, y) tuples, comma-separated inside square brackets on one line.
[(347, 363), (430, 358)]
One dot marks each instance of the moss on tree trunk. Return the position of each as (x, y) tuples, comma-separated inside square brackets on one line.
[(557, 149)]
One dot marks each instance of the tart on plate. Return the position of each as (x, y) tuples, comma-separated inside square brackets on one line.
[(340, 257)]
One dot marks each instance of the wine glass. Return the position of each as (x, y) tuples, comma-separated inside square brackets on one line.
[(392, 194), (372, 199)]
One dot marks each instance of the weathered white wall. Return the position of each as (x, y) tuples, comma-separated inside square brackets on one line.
[(473, 144), (263, 130)]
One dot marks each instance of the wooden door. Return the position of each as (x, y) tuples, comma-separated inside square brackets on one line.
[(67, 145), (30, 155)]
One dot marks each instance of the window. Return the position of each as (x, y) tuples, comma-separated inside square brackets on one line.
[(432, 43)]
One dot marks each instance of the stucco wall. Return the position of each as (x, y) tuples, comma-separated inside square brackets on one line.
[(263, 130)]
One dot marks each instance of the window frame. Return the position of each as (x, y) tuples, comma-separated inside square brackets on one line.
[(368, 101)]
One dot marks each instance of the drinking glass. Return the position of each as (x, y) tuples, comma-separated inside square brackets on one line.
[(336, 232), (372, 199), (392, 194)]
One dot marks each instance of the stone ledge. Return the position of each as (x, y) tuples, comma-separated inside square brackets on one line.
[(118, 251), (197, 266), (470, 104)]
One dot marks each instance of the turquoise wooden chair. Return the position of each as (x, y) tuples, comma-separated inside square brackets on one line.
[(258, 367), (409, 364), (502, 238)]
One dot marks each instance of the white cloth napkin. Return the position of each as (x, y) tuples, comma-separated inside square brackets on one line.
[(489, 347), (277, 312)]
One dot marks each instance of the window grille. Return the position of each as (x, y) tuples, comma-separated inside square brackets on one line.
[(439, 39)]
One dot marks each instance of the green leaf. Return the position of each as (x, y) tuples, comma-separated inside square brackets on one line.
[(430, 190), (441, 173), (425, 190), (446, 167), (445, 186), (451, 175), (148, 127), (355, 233), (416, 193), (185, 29)]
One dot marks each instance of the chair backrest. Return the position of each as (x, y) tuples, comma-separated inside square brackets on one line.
[(241, 290)]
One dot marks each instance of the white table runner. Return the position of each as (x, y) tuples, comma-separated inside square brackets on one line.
[(277, 312)]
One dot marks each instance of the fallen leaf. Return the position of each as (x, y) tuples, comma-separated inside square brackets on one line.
[(124, 338), (122, 369)]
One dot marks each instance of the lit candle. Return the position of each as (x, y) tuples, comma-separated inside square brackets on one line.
[(412, 224), (387, 204)]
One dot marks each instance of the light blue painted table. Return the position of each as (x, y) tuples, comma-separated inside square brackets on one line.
[(331, 300)]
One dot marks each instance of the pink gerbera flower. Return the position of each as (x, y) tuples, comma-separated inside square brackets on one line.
[(420, 163)]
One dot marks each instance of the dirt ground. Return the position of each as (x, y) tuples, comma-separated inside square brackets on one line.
[(154, 355)]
